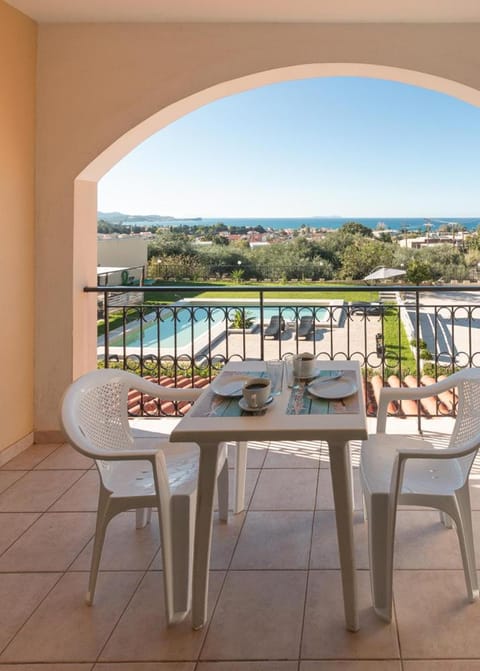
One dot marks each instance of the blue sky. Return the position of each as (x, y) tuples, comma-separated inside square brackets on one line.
[(318, 147)]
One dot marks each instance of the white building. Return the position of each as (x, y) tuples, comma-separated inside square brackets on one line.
[(122, 251)]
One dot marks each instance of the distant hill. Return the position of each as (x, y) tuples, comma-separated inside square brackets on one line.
[(121, 218)]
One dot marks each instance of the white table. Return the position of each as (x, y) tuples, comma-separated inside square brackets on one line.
[(336, 429)]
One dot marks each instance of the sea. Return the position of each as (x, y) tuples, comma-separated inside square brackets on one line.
[(390, 223)]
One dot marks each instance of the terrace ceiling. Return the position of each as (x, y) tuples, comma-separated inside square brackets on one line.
[(282, 11)]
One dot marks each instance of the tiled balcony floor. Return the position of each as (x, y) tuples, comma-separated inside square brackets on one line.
[(275, 594)]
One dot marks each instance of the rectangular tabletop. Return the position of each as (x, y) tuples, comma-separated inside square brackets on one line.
[(345, 422)]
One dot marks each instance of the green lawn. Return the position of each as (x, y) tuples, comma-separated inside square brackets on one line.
[(399, 356), (269, 293)]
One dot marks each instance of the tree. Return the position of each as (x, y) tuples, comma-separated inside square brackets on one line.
[(220, 240), (365, 254), (418, 271), (354, 228)]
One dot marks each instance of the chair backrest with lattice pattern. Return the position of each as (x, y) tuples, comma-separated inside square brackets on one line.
[(98, 407), (467, 423)]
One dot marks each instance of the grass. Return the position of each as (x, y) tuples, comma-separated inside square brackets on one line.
[(399, 355), (269, 292)]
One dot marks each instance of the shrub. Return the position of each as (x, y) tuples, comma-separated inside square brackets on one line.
[(241, 320)]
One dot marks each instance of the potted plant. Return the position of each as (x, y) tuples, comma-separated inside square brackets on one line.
[(241, 320)]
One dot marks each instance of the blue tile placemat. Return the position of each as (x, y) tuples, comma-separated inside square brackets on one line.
[(301, 402)]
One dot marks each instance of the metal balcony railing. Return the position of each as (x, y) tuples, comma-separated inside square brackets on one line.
[(410, 335)]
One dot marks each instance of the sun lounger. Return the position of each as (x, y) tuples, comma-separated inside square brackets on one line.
[(305, 327), (273, 330)]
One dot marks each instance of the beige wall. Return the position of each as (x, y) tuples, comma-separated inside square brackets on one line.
[(98, 82), (17, 156)]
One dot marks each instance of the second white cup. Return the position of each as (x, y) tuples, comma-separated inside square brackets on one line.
[(304, 365)]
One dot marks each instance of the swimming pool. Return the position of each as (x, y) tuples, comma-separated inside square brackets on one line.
[(180, 326)]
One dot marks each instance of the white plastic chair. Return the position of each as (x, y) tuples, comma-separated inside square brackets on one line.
[(140, 473), (398, 469)]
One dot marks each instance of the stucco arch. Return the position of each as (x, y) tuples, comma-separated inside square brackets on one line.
[(161, 118), (102, 89)]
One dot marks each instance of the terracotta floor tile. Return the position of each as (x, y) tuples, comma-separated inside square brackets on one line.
[(19, 596), (65, 628), (435, 620), (12, 526), (324, 500), (442, 665), (126, 548), (256, 454), (325, 546), (36, 491), (246, 666), (65, 458), (422, 542), (258, 617), (143, 666), (257, 608), (325, 493), (285, 489), (225, 537), (142, 633), (50, 544), (257, 451), (251, 481), (301, 454), (30, 457), (46, 667), (82, 495), (274, 540), (325, 636), (351, 665), (7, 478)]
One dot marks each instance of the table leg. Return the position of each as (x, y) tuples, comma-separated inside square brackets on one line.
[(207, 475), (342, 493), (240, 474)]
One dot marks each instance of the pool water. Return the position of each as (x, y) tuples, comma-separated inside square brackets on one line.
[(188, 324)]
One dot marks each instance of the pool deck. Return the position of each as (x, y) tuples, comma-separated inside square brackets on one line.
[(356, 335)]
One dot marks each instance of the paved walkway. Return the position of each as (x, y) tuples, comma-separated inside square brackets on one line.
[(452, 321)]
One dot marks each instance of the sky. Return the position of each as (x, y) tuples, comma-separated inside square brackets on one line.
[(339, 146)]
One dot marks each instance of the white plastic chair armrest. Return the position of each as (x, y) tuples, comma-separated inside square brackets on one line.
[(122, 455), (388, 394), (425, 453), (166, 393), (432, 453)]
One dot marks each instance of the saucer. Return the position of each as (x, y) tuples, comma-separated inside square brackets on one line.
[(230, 385), (243, 404), (332, 389)]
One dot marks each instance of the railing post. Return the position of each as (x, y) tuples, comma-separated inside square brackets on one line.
[(417, 338), (262, 342), (106, 331)]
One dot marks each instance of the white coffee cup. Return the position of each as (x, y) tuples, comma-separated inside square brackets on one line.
[(256, 391), (304, 365)]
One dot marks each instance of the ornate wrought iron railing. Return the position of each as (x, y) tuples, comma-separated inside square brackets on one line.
[(412, 333)]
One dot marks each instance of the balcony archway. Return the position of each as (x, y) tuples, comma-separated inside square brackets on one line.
[(86, 147)]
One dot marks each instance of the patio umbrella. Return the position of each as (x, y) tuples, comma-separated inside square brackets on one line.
[(383, 273)]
